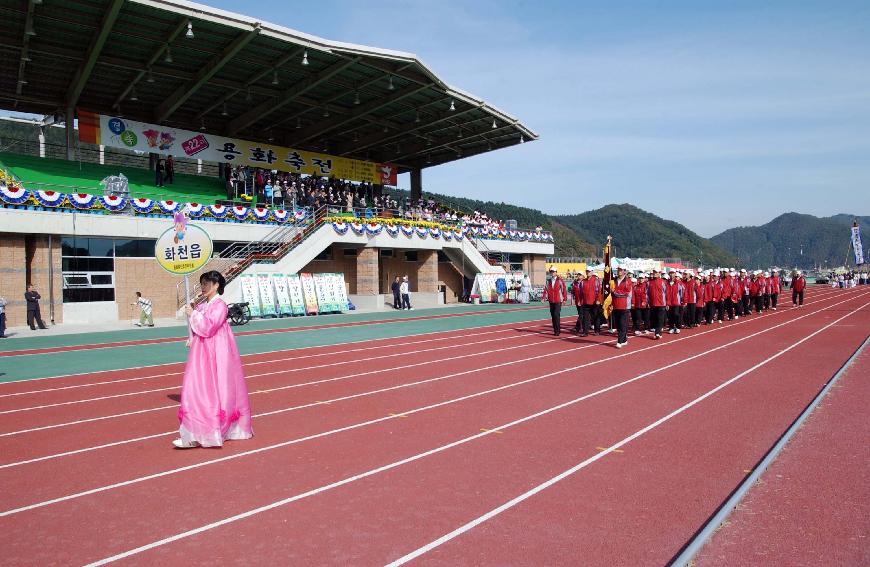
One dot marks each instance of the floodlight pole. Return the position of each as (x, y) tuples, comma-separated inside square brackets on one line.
[(70, 134), (416, 183)]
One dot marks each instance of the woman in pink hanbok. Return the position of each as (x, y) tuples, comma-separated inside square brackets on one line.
[(214, 396)]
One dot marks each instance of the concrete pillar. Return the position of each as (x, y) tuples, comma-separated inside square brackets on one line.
[(70, 134), (367, 272), (416, 183), (427, 275)]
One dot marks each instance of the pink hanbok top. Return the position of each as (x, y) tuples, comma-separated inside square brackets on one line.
[(214, 396)]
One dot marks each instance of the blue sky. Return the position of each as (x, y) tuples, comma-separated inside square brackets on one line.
[(713, 114)]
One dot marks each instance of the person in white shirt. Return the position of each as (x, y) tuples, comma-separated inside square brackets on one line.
[(2, 318), (405, 290), (144, 310)]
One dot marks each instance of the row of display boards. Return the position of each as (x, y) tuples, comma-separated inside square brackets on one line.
[(279, 295)]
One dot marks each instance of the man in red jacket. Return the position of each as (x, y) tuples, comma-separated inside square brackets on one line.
[(690, 298), (798, 285), (760, 289), (766, 297), (675, 302), (621, 306), (746, 299), (640, 306), (577, 293), (658, 302), (555, 294), (591, 303), (774, 287), (709, 305), (727, 294), (700, 300), (737, 294)]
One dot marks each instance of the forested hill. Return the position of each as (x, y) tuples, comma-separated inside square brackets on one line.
[(637, 233), (793, 240)]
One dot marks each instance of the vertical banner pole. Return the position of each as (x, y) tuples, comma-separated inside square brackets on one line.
[(187, 301)]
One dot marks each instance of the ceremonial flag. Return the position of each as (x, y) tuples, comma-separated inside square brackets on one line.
[(606, 283), (856, 244)]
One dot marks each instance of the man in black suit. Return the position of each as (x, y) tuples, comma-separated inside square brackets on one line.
[(396, 287), (32, 297)]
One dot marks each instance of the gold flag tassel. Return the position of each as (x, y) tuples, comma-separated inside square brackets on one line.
[(607, 283)]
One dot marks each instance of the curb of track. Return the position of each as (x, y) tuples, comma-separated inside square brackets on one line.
[(686, 555)]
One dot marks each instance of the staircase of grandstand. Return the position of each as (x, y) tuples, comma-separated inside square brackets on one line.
[(238, 256)]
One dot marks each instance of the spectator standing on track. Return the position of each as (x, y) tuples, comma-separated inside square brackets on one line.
[(144, 310), (214, 398), (798, 285), (555, 294), (700, 300), (396, 288), (690, 299), (32, 297), (525, 289), (405, 289), (621, 306), (2, 318)]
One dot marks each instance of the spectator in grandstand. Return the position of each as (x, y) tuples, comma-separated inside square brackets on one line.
[(214, 398), (406, 294), (396, 288), (2, 318), (159, 168), (144, 310), (170, 169), (32, 297)]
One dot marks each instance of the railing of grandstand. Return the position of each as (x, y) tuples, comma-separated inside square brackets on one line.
[(91, 153)]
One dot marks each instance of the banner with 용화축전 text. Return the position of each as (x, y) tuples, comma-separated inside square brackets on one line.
[(116, 132)]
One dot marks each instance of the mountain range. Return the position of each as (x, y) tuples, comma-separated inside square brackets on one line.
[(793, 240), (789, 240)]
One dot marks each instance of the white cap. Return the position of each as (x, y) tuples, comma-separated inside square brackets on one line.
[(767, 274), (798, 272), (715, 272), (742, 270), (733, 273), (552, 268), (634, 280)]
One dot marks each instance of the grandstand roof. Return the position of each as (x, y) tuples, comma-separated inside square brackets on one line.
[(240, 77)]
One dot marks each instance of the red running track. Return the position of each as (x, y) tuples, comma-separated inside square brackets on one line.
[(812, 505), (386, 513)]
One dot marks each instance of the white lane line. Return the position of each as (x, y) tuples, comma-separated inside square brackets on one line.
[(259, 362), (283, 371), (612, 448), (72, 375), (283, 410), (427, 408), (277, 389), (463, 441)]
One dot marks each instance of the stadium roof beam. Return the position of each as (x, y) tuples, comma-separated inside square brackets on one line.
[(184, 92), (179, 29), (25, 42), (359, 112), (378, 138), (83, 74), (265, 108), (448, 142), (252, 80)]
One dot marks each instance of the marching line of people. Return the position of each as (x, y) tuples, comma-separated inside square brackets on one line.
[(659, 301)]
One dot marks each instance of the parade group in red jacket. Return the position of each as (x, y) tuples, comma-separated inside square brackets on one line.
[(674, 300)]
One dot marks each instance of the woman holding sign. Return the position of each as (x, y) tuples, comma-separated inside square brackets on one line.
[(214, 398)]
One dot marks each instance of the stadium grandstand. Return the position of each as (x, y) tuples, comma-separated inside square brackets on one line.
[(284, 146)]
